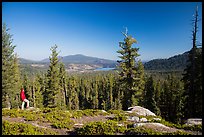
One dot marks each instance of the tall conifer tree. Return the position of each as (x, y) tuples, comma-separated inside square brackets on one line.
[(128, 70), (52, 84), (73, 100), (193, 77), (149, 100), (38, 87), (62, 96), (15, 96), (10, 71)]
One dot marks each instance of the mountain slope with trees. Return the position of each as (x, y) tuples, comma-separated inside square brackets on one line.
[(177, 62)]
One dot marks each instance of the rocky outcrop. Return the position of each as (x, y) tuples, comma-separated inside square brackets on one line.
[(156, 126), (140, 111), (133, 118), (143, 120), (194, 121)]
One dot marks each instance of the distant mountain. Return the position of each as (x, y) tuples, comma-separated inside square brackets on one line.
[(77, 59), (26, 61), (82, 59), (177, 62)]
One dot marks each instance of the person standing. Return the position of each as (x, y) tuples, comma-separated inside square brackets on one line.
[(23, 98)]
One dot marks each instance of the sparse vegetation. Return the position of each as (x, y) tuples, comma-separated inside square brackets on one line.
[(61, 119), (109, 127), (9, 128), (147, 131)]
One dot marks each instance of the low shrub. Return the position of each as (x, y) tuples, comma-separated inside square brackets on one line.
[(115, 111), (33, 117), (109, 127), (68, 124), (92, 112), (141, 131), (86, 112), (120, 117), (192, 127), (179, 126), (76, 113), (178, 132), (11, 112), (54, 116), (147, 131), (9, 128)]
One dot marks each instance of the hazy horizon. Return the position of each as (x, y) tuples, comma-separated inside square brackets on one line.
[(162, 29)]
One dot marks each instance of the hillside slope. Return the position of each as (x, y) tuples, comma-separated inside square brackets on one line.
[(177, 62)]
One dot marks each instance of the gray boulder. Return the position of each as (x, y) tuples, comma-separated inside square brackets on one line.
[(156, 119), (103, 111), (143, 120), (137, 124), (133, 118), (194, 121), (140, 111)]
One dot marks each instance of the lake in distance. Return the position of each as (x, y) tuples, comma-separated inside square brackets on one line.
[(104, 69)]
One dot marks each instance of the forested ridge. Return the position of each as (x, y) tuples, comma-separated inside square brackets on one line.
[(174, 98), (175, 63)]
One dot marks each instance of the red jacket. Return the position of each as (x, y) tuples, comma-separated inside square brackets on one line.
[(22, 94)]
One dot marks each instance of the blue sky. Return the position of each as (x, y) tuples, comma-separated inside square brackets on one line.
[(162, 29)]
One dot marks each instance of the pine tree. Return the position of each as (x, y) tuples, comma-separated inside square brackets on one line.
[(82, 96), (38, 87), (62, 96), (128, 70), (174, 95), (140, 85), (15, 96), (110, 97), (165, 100), (101, 93), (52, 84), (95, 93), (149, 100), (171, 99), (178, 102), (119, 97), (73, 101), (158, 95), (10, 76), (193, 78), (88, 94)]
